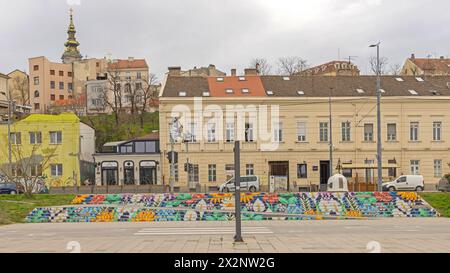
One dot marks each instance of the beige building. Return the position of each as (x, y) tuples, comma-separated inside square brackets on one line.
[(18, 86), (291, 140), (426, 66)]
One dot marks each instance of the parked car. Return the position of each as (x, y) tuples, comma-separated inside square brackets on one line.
[(405, 183), (248, 183), (9, 188), (444, 185)]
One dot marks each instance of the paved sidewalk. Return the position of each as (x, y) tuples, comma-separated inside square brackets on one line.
[(384, 235)]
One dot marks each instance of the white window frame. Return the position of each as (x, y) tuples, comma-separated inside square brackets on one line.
[(414, 131), (249, 130), (324, 131), (415, 167), (368, 136), (278, 132), (56, 170), (301, 131), (437, 130), (58, 139), (391, 137), (230, 134), (211, 128), (346, 131), (437, 167), (249, 169), (34, 136)]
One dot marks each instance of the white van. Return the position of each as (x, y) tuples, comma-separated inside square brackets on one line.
[(405, 182), (248, 183)]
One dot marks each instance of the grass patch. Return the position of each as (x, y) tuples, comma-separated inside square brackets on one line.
[(440, 201), (14, 208), (106, 129)]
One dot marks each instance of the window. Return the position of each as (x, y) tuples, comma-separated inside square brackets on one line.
[(36, 67), (413, 92), (16, 138), (249, 169), (269, 93), (278, 132), (127, 88), (36, 170), (56, 169), (414, 131), (249, 132), (302, 171), (286, 78), (61, 97), (437, 128), (69, 74), (192, 132), (360, 91), (245, 90), (138, 86), (301, 131), (37, 106), (415, 167), (52, 85), (229, 170), (230, 132), (368, 132), (346, 131), (126, 149), (61, 73), (56, 137), (36, 94), (392, 132), (182, 94), (70, 86), (36, 80), (139, 75), (241, 78), (437, 168), (323, 131), (61, 85), (229, 91), (220, 79), (211, 132), (52, 72), (212, 173), (300, 93), (205, 94), (52, 97), (195, 173), (399, 79), (35, 138)]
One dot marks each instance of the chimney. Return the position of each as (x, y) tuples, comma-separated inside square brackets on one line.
[(442, 57), (413, 56), (233, 72), (257, 68), (250, 72), (130, 59), (175, 70)]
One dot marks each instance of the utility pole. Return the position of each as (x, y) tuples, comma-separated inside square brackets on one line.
[(172, 155), (8, 93), (331, 133), (237, 191), (379, 156)]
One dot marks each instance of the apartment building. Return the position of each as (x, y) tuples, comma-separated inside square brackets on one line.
[(52, 146), (283, 124)]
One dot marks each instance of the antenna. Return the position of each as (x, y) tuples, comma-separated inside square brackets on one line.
[(350, 58)]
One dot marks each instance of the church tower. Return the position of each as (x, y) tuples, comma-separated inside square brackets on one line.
[(71, 53)]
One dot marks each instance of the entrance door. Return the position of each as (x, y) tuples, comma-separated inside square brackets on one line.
[(324, 174), (109, 176), (280, 170), (147, 176)]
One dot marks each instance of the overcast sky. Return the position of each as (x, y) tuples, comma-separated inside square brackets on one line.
[(227, 33)]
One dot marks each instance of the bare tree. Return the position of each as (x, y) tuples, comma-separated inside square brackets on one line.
[(291, 65), (262, 65), (383, 65), (113, 95), (28, 167), (396, 69), (19, 90), (148, 95)]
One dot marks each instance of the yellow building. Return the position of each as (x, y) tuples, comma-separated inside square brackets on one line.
[(48, 145), (294, 147), (426, 66)]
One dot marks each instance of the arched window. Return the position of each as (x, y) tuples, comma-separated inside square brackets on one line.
[(36, 94)]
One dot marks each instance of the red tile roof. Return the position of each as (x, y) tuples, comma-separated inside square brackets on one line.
[(127, 64), (441, 65), (252, 83)]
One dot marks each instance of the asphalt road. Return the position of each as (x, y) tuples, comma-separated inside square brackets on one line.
[(381, 235)]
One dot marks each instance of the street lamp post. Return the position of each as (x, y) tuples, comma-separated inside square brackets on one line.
[(379, 157)]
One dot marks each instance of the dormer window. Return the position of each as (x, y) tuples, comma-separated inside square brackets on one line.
[(182, 94), (383, 91), (242, 79), (244, 90), (229, 91), (219, 79), (269, 93), (206, 94), (286, 78), (413, 92), (399, 79), (300, 93), (419, 79), (360, 91)]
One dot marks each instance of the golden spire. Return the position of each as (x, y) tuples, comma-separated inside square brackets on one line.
[(71, 53)]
